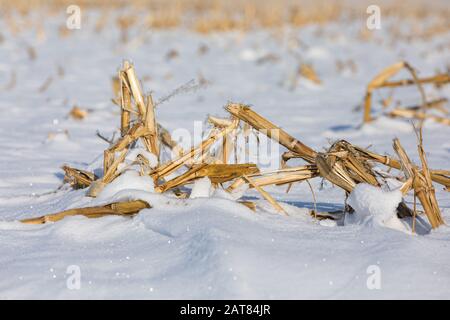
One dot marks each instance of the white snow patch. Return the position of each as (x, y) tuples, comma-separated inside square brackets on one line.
[(223, 194), (384, 124), (328, 223), (249, 55), (129, 180), (238, 192), (317, 53), (374, 204), (202, 188)]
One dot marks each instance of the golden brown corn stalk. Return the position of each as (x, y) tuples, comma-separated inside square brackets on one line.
[(335, 172), (131, 85), (249, 204), (421, 183), (357, 167), (167, 168), (166, 139), (110, 163), (376, 82), (279, 177), (125, 103), (438, 79), (246, 114), (266, 195), (116, 208), (416, 114), (227, 140), (78, 178), (438, 176), (308, 72), (151, 126), (381, 81), (135, 87), (78, 113), (217, 173), (437, 104)]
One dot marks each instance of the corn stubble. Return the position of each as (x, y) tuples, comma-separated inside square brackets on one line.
[(413, 112), (343, 164)]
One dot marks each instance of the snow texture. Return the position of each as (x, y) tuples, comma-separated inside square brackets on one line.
[(210, 246), (202, 188), (375, 205)]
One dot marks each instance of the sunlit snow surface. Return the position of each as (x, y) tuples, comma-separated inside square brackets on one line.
[(207, 247)]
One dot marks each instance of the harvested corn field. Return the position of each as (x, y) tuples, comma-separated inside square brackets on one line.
[(186, 150)]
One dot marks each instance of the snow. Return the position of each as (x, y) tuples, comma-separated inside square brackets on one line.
[(202, 188), (328, 223), (372, 204), (129, 180), (210, 246)]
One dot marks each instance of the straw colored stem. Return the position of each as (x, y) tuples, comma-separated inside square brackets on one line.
[(279, 177), (421, 182), (217, 173), (246, 114), (436, 175), (125, 106), (378, 80), (111, 172), (266, 196), (78, 178), (117, 208), (150, 124), (137, 131), (108, 159), (420, 115), (437, 104), (334, 172), (170, 167), (438, 79), (135, 87)]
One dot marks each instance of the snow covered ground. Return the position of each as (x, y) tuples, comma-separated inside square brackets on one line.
[(207, 247)]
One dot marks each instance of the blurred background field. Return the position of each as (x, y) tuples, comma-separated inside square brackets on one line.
[(224, 15)]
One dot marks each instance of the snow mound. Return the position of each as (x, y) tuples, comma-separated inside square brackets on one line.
[(129, 180), (318, 53), (372, 204), (202, 188)]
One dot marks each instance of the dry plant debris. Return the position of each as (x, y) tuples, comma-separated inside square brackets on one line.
[(206, 16), (117, 208), (414, 112), (77, 178), (421, 183), (343, 164), (78, 113)]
